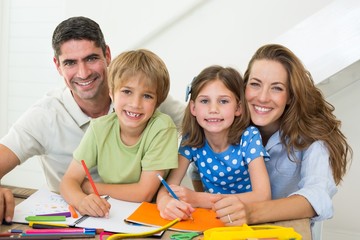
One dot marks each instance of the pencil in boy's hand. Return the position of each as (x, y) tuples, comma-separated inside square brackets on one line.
[(89, 177)]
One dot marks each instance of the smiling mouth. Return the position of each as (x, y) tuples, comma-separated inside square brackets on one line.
[(214, 120), (131, 114), (262, 109), (85, 83)]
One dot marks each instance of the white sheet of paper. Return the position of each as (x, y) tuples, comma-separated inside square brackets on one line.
[(44, 201)]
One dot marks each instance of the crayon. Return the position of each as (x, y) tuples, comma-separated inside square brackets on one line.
[(45, 218)]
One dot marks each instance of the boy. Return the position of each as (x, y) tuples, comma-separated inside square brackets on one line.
[(130, 146)]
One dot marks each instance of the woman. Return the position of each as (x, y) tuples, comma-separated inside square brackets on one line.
[(309, 155)]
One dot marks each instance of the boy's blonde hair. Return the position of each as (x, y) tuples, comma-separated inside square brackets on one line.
[(140, 61)]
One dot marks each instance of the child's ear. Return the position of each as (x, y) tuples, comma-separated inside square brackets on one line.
[(238, 110), (192, 108)]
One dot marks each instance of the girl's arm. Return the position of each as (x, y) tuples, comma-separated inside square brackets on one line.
[(169, 207), (70, 189), (260, 183)]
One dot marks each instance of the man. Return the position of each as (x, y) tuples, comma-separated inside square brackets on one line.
[(53, 127)]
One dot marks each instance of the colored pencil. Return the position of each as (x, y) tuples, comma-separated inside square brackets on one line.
[(58, 225), (45, 218), (66, 214), (73, 212), (170, 190), (89, 177), (167, 187), (61, 230), (47, 226)]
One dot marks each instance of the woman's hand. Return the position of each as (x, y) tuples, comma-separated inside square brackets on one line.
[(230, 209)]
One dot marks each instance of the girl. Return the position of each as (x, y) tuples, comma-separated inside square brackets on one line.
[(218, 139)]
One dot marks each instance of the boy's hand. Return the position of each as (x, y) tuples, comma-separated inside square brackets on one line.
[(94, 206)]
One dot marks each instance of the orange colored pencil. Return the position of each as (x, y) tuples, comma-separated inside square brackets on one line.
[(73, 212)]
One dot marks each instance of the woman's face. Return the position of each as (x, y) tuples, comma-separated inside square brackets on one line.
[(267, 93)]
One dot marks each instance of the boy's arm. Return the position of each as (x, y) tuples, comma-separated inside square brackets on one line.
[(70, 189), (142, 191)]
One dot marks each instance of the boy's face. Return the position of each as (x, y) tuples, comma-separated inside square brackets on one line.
[(134, 102), (84, 68)]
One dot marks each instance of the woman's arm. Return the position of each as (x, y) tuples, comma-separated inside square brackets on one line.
[(293, 207)]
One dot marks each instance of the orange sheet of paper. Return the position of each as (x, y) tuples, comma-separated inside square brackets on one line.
[(148, 214)]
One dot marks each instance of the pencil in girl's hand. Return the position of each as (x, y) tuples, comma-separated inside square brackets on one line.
[(167, 187), (89, 177)]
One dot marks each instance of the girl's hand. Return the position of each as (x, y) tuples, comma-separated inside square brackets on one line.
[(230, 209), (94, 206), (171, 209), (185, 194)]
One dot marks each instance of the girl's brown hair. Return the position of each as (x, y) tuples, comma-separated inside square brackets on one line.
[(231, 78)]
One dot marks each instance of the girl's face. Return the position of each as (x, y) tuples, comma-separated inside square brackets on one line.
[(267, 93), (134, 103), (215, 108)]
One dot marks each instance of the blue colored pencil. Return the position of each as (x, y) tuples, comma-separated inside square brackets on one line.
[(167, 187)]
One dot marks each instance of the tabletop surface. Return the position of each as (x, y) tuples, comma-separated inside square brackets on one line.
[(301, 226)]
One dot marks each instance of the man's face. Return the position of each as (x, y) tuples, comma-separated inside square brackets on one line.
[(84, 68)]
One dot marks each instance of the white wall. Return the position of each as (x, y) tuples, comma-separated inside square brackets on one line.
[(345, 224), (189, 35)]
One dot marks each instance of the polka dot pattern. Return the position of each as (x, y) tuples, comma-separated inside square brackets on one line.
[(227, 172)]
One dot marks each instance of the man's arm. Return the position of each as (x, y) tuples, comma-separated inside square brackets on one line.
[(8, 161)]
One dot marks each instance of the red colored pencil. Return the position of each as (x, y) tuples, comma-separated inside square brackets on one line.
[(89, 177)]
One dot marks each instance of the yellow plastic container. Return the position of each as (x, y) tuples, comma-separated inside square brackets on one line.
[(252, 232)]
